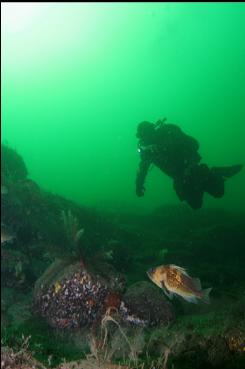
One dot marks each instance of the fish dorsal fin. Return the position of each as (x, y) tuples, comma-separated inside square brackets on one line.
[(197, 283), (182, 270)]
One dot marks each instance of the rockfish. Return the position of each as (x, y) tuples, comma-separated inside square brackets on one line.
[(175, 280)]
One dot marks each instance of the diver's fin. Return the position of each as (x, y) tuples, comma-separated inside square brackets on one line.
[(205, 297), (227, 172), (197, 283)]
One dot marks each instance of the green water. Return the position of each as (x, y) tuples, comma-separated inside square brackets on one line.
[(77, 79)]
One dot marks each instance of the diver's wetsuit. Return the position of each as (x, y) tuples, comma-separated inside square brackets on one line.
[(176, 154)]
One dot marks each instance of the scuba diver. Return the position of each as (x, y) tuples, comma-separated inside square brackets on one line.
[(176, 154)]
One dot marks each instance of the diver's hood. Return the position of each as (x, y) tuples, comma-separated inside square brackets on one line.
[(145, 129)]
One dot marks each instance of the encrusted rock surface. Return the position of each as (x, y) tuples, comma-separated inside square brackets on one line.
[(147, 303)]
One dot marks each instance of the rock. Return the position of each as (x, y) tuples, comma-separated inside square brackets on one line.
[(15, 307), (72, 296), (22, 359), (13, 165), (145, 302), (218, 351)]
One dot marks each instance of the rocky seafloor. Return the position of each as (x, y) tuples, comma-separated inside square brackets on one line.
[(75, 293)]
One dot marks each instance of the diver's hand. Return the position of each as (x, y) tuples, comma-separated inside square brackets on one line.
[(140, 191)]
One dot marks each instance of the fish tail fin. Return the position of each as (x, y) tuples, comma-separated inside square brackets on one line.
[(205, 297)]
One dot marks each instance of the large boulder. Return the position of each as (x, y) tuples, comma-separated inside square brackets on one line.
[(69, 295), (144, 303)]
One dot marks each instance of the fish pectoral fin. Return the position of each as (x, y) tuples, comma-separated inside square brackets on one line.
[(168, 294)]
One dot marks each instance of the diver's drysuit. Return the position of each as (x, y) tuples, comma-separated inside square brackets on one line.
[(176, 154)]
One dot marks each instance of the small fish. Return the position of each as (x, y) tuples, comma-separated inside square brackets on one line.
[(6, 235), (175, 280)]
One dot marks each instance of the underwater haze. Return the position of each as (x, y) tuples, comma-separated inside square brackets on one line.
[(77, 78)]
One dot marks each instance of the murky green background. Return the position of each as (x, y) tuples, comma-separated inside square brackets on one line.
[(77, 79)]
